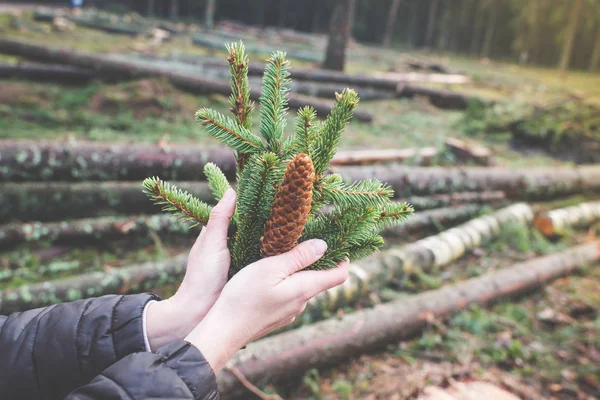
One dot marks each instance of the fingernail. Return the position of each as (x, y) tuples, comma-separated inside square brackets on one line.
[(319, 247), (228, 194)]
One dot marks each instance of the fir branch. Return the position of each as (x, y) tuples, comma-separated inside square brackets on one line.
[(392, 214), (326, 141), (229, 132), (217, 181), (358, 194), (273, 101), (241, 105), (183, 204), (300, 141), (369, 245)]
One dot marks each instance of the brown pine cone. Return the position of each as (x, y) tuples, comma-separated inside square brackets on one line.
[(291, 208)]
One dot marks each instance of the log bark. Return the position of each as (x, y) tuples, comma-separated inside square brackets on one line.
[(61, 200), (422, 156), (336, 340), (430, 221), (45, 73), (91, 230), (556, 222), (120, 67), (421, 203), (22, 160), (427, 254), (518, 183), (469, 152), (132, 279)]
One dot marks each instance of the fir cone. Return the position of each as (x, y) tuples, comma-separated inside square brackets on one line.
[(291, 208)]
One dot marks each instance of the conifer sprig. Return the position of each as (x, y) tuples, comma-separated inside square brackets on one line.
[(358, 194), (241, 105), (300, 141), (392, 214), (217, 181), (229, 132), (274, 100), (183, 204)]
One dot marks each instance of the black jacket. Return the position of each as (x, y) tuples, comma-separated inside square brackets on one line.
[(94, 349)]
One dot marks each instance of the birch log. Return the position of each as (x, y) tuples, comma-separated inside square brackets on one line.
[(422, 156), (62, 200), (555, 222), (445, 200), (336, 340)]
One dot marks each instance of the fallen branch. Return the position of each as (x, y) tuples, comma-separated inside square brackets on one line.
[(132, 279), (113, 65), (518, 183), (335, 340), (22, 160), (465, 152), (555, 222), (93, 229), (62, 200)]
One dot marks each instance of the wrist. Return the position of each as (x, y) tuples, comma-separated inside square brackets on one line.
[(167, 322)]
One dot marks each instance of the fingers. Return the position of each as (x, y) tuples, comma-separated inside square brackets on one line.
[(216, 230), (311, 283), (300, 257)]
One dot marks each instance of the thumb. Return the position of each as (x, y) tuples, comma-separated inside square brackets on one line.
[(300, 257), (215, 236)]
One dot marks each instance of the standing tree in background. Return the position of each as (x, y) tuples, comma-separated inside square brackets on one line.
[(595, 58), (571, 32), (209, 13), (339, 34), (391, 23), (150, 8), (490, 30), (433, 7), (174, 10)]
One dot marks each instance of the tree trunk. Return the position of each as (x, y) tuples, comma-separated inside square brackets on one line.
[(391, 23), (339, 34), (259, 7), (209, 14), (116, 66), (431, 22), (92, 230), (316, 17), (560, 221), (336, 340), (283, 10), (61, 200), (454, 199), (490, 31), (595, 57), (477, 34), (572, 26), (120, 280), (518, 183), (46, 73), (150, 9), (174, 10), (22, 160)]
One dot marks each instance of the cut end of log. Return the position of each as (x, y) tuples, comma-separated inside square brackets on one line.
[(544, 224)]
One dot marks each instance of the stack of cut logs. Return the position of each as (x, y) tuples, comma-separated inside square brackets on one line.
[(57, 193)]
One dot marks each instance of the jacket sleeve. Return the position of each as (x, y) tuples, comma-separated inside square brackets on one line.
[(176, 371), (48, 352)]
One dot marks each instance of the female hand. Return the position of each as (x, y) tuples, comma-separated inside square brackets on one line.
[(206, 275), (262, 297)]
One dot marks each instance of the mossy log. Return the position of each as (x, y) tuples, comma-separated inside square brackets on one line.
[(518, 183), (426, 255), (22, 160), (132, 279), (431, 220), (336, 340), (115, 65), (469, 152), (556, 222), (45, 73), (445, 200), (62, 200), (91, 229)]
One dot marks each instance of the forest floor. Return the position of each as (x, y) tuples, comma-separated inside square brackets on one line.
[(544, 346)]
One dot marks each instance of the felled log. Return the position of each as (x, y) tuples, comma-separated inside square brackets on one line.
[(444, 200), (417, 77), (425, 255), (431, 220), (91, 229), (555, 222), (78, 161), (423, 66), (518, 183), (115, 65), (440, 98), (132, 279), (422, 156), (62, 200), (45, 73), (336, 340), (465, 151)]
